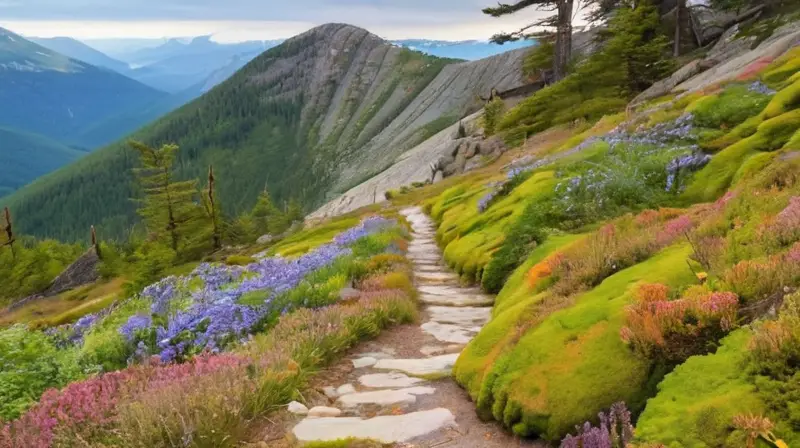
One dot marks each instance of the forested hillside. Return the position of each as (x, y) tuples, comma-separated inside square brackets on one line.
[(25, 156), (334, 100)]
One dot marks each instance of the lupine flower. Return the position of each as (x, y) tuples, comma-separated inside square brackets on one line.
[(615, 431), (760, 87)]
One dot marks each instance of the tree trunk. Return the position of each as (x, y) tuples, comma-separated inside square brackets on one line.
[(216, 238), (676, 49), (563, 50)]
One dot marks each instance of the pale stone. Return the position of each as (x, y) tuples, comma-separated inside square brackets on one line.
[(436, 277), (297, 408), (385, 429), (385, 397), (388, 380), (464, 316), (450, 333), (366, 361), (457, 300), (323, 411), (430, 350), (330, 392), (264, 239), (437, 365), (345, 389)]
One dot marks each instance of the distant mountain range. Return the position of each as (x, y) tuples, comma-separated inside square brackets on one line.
[(311, 118), (470, 50), (47, 93)]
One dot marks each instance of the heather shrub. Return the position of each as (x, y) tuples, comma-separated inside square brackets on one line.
[(756, 280), (774, 355), (385, 262), (239, 260), (673, 330), (614, 247)]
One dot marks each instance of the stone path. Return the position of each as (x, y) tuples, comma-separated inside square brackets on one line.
[(398, 388)]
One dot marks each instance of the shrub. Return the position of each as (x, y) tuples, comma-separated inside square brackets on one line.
[(614, 247), (756, 280), (491, 115), (672, 331), (30, 364)]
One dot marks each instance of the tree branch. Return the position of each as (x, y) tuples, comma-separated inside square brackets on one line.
[(503, 9)]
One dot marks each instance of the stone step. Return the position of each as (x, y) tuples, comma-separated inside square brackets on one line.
[(388, 380), (385, 397), (436, 278), (457, 300), (385, 429), (430, 267), (436, 365), (468, 316), (454, 334)]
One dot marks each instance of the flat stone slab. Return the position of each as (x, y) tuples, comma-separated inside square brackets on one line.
[(323, 411), (437, 277), (447, 290), (388, 380), (441, 365), (386, 397), (457, 300), (429, 267), (464, 316), (386, 429), (424, 257), (366, 361), (430, 350), (345, 389), (454, 334)]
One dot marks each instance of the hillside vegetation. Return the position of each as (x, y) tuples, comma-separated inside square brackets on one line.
[(624, 256)]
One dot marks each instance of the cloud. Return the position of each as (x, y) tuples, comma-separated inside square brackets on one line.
[(159, 18)]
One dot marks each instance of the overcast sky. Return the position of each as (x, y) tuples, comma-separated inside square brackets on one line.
[(233, 20)]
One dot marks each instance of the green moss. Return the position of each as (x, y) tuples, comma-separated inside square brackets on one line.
[(784, 101), (753, 165), (782, 69), (572, 365), (516, 288), (696, 402), (731, 108), (712, 181)]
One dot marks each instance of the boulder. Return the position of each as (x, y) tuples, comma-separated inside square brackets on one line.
[(438, 176), (265, 239), (297, 408), (349, 294)]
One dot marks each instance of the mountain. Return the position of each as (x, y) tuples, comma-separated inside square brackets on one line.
[(25, 156), (310, 118), (176, 65), (78, 50), (47, 93), (469, 50)]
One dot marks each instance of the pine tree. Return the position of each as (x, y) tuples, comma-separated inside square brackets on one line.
[(266, 216), (168, 209)]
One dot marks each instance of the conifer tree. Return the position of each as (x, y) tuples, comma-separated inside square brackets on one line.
[(168, 209), (266, 216)]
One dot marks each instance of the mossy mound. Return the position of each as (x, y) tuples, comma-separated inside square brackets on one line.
[(698, 400), (468, 235), (562, 371)]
